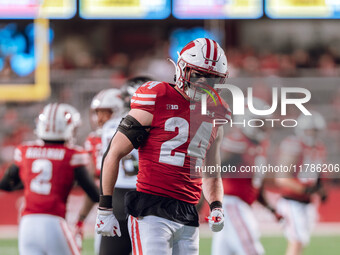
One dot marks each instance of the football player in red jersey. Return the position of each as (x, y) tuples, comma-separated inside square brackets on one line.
[(105, 105), (172, 137), (245, 146), (299, 188), (48, 169)]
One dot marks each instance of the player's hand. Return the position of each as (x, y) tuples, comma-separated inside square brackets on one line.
[(106, 223), (79, 234), (323, 195), (278, 216), (216, 219)]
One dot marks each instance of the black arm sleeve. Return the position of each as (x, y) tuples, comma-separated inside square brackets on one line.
[(133, 130), (85, 181), (11, 180)]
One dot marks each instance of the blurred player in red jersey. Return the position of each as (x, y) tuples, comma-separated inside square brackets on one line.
[(127, 175), (298, 188), (166, 124), (246, 146), (105, 105), (48, 169)]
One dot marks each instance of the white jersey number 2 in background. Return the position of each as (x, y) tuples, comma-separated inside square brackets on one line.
[(41, 183)]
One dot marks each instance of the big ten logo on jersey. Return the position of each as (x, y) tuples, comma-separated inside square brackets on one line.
[(172, 107)]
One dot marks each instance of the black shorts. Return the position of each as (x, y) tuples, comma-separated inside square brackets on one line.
[(144, 204)]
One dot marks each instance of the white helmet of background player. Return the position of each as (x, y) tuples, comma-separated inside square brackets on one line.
[(109, 100), (130, 87), (58, 122), (254, 133), (201, 58), (309, 127)]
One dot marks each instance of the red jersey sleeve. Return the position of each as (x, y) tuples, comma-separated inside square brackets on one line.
[(147, 95), (79, 158)]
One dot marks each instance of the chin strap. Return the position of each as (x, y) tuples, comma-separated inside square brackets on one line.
[(171, 61)]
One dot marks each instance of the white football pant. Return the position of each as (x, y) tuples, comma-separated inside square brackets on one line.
[(299, 219), (43, 234), (152, 235), (240, 235)]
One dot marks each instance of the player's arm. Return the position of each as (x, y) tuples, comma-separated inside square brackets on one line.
[(86, 208), (86, 182), (321, 191), (212, 185), (11, 180), (88, 203), (131, 132), (286, 180), (263, 201)]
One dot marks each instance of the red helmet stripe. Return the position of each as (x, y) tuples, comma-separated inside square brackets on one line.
[(207, 56), (187, 47), (215, 53)]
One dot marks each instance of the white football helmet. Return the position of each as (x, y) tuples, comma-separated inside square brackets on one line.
[(254, 133), (201, 58), (309, 127), (58, 122), (107, 99)]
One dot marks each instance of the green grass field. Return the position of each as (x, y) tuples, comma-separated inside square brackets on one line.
[(320, 245)]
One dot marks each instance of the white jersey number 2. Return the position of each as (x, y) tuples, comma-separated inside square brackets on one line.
[(41, 183), (197, 147)]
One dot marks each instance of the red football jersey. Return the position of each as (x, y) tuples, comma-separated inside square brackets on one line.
[(178, 140), (47, 172), (251, 154), (93, 145), (309, 155)]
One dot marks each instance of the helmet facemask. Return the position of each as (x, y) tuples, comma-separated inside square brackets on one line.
[(310, 127), (107, 102), (195, 81), (201, 64)]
